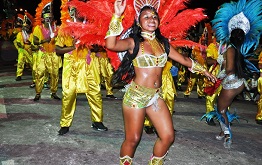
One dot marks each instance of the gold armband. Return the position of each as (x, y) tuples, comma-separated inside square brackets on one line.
[(115, 26), (260, 70), (196, 67)]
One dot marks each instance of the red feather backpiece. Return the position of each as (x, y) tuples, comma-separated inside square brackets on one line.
[(175, 21)]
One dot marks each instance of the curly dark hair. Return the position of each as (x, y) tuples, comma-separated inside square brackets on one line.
[(237, 38)]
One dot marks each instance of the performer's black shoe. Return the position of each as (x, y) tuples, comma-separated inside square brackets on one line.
[(111, 96), (149, 129), (37, 97), (102, 86), (18, 78), (210, 122), (201, 97), (99, 126), (63, 130), (259, 122), (54, 96), (186, 96), (179, 88)]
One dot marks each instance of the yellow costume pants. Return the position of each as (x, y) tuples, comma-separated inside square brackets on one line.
[(46, 62), (195, 78), (78, 77), (259, 104), (34, 57), (23, 57), (181, 77), (211, 100), (107, 73)]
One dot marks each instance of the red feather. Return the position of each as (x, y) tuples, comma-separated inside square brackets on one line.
[(169, 9), (180, 24), (186, 43), (114, 60)]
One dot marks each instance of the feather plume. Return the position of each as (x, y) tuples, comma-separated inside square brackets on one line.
[(114, 60), (30, 17), (178, 27), (39, 9), (20, 17), (209, 33), (169, 9), (64, 12), (187, 43), (88, 40), (252, 9)]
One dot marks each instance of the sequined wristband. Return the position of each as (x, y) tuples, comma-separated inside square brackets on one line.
[(115, 26), (196, 67)]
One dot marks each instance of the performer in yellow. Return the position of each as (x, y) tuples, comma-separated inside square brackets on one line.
[(181, 77), (18, 28), (35, 49), (259, 88), (214, 68), (197, 54), (23, 44), (46, 59), (80, 71)]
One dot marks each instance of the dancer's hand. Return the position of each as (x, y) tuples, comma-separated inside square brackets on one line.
[(52, 35), (210, 76), (119, 6)]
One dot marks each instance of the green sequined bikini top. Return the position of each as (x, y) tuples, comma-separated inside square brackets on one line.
[(150, 61)]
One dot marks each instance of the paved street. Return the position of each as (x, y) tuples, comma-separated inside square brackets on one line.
[(28, 131)]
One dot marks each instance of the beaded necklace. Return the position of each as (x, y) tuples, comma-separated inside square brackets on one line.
[(153, 42), (149, 36)]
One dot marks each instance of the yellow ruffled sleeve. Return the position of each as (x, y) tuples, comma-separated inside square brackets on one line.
[(260, 58), (64, 41), (212, 51), (19, 38), (38, 33)]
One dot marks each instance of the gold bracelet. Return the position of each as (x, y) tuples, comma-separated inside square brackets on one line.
[(115, 26), (196, 67)]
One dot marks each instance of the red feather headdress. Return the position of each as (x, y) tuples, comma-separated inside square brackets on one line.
[(85, 33), (39, 10), (64, 12), (28, 19), (20, 19)]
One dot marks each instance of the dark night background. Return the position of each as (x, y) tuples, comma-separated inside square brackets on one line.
[(30, 5)]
